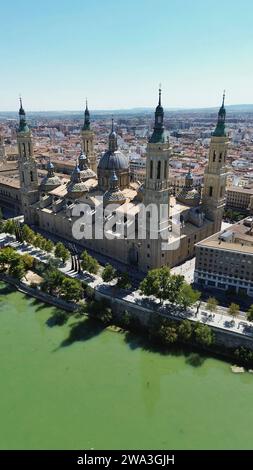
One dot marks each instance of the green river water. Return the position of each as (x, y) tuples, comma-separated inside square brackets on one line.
[(78, 386)]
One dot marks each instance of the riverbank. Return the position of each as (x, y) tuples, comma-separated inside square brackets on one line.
[(111, 390)]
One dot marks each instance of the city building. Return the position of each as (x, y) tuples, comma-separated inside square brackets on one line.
[(240, 198), (225, 259)]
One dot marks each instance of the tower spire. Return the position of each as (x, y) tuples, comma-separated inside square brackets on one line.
[(113, 144), (23, 127), (220, 126), (86, 124), (158, 132)]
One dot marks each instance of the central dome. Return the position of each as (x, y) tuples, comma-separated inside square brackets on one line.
[(113, 161)]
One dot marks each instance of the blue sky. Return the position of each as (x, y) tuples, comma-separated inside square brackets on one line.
[(115, 52)]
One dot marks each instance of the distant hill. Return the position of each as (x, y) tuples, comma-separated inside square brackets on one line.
[(234, 108)]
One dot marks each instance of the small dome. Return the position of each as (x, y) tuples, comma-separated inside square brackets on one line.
[(50, 181), (78, 187), (113, 161), (87, 174)]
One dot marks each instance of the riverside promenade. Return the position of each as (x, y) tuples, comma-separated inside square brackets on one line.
[(220, 320)]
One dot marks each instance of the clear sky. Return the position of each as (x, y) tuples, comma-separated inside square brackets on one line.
[(115, 52)]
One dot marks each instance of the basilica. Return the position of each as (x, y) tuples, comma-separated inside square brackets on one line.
[(192, 216)]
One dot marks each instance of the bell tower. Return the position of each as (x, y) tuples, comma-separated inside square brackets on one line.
[(27, 167), (156, 189), (215, 177), (88, 140)]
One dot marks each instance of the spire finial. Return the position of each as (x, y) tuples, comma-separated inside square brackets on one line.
[(86, 101), (112, 123), (20, 101), (160, 93), (223, 99)]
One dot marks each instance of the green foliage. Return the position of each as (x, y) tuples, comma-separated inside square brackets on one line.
[(250, 314), (52, 281), (109, 273), (188, 296), (212, 304), (61, 252), (124, 281), (233, 309), (245, 355), (157, 283), (203, 334), (71, 289), (49, 246), (168, 334), (166, 286), (17, 270), (28, 234), (28, 261), (9, 227), (88, 263), (185, 330)]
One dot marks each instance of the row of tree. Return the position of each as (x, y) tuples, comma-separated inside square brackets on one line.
[(165, 286), (233, 309)]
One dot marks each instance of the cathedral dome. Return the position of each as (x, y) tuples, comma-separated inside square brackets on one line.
[(50, 181), (114, 194), (113, 161), (85, 171), (76, 186)]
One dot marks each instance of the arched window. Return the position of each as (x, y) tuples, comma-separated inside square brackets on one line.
[(221, 191), (31, 175), (220, 157), (23, 177), (29, 147), (214, 156), (210, 191), (151, 169), (159, 170), (24, 152), (165, 170)]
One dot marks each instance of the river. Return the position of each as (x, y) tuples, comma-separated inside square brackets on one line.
[(78, 386)]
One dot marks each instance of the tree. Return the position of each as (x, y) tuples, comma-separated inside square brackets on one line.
[(156, 283), (88, 263), (8, 257), (71, 289), (168, 334), (203, 334), (27, 261), (52, 281), (124, 281), (49, 246), (109, 273), (28, 234), (38, 241), (61, 252), (187, 295), (233, 310), (250, 314), (10, 226), (185, 330), (212, 304), (17, 270)]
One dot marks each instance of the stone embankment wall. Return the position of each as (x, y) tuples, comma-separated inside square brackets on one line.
[(223, 337), (38, 294)]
